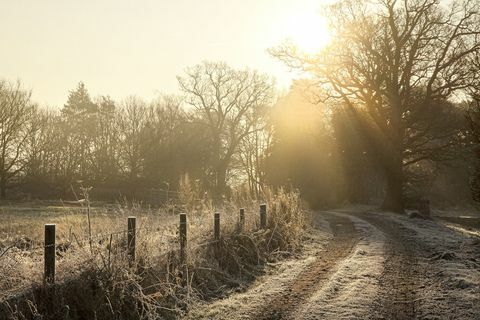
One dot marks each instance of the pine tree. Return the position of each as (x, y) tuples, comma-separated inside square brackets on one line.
[(79, 102), (80, 117)]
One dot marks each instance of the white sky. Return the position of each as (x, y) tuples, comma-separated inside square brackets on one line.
[(122, 47)]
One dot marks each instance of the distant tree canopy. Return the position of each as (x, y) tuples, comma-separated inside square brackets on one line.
[(400, 63), (119, 148), (126, 147), (473, 133), (231, 104), (388, 111), (79, 103), (16, 124)]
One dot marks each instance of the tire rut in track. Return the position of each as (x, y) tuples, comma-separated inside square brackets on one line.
[(305, 284), (397, 298)]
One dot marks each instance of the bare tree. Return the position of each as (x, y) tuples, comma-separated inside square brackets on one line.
[(163, 143), (228, 102), (16, 111), (131, 122), (254, 150), (391, 58), (39, 142)]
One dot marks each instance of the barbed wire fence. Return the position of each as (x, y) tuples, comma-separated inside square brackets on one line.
[(54, 261)]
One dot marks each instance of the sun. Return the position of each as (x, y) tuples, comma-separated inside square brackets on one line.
[(308, 31)]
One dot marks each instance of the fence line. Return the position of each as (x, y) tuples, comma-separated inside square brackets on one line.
[(134, 234), (96, 237), (169, 235), (148, 229)]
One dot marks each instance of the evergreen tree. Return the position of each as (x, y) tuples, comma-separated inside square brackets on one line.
[(80, 118), (79, 102)]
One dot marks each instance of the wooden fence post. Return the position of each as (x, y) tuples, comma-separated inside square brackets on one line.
[(49, 254), (183, 249), (242, 219), (263, 216), (183, 238), (216, 226), (131, 239)]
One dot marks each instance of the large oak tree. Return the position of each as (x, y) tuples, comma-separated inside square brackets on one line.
[(393, 59)]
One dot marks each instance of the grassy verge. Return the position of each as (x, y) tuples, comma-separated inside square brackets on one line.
[(97, 282)]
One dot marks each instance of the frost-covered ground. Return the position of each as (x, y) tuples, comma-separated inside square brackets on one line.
[(461, 220), (352, 287), (265, 288), (451, 283), (360, 264)]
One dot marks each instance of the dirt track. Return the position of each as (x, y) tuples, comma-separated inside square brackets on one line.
[(372, 266), (401, 274), (397, 282), (344, 238)]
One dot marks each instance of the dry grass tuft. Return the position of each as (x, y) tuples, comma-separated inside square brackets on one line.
[(98, 283)]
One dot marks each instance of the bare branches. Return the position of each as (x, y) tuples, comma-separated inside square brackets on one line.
[(394, 48), (392, 58), (230, 103), (16, 110)]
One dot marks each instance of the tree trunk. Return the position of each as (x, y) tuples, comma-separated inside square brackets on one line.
[(394, 192), (394, 159), (3, 188), (394, 172), (221, 183)]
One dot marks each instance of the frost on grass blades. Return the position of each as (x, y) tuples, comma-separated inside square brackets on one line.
[(100, 279), (258, 160)]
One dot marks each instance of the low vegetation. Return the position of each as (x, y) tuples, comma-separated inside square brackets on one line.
[(96, 281)]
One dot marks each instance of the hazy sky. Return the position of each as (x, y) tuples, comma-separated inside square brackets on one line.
[(121, 47)]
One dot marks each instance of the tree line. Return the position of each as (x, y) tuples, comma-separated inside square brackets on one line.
[(388, 110), (211, 135)]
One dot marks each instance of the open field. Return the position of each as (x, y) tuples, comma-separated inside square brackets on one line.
[(466, 221), (23, 224)]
